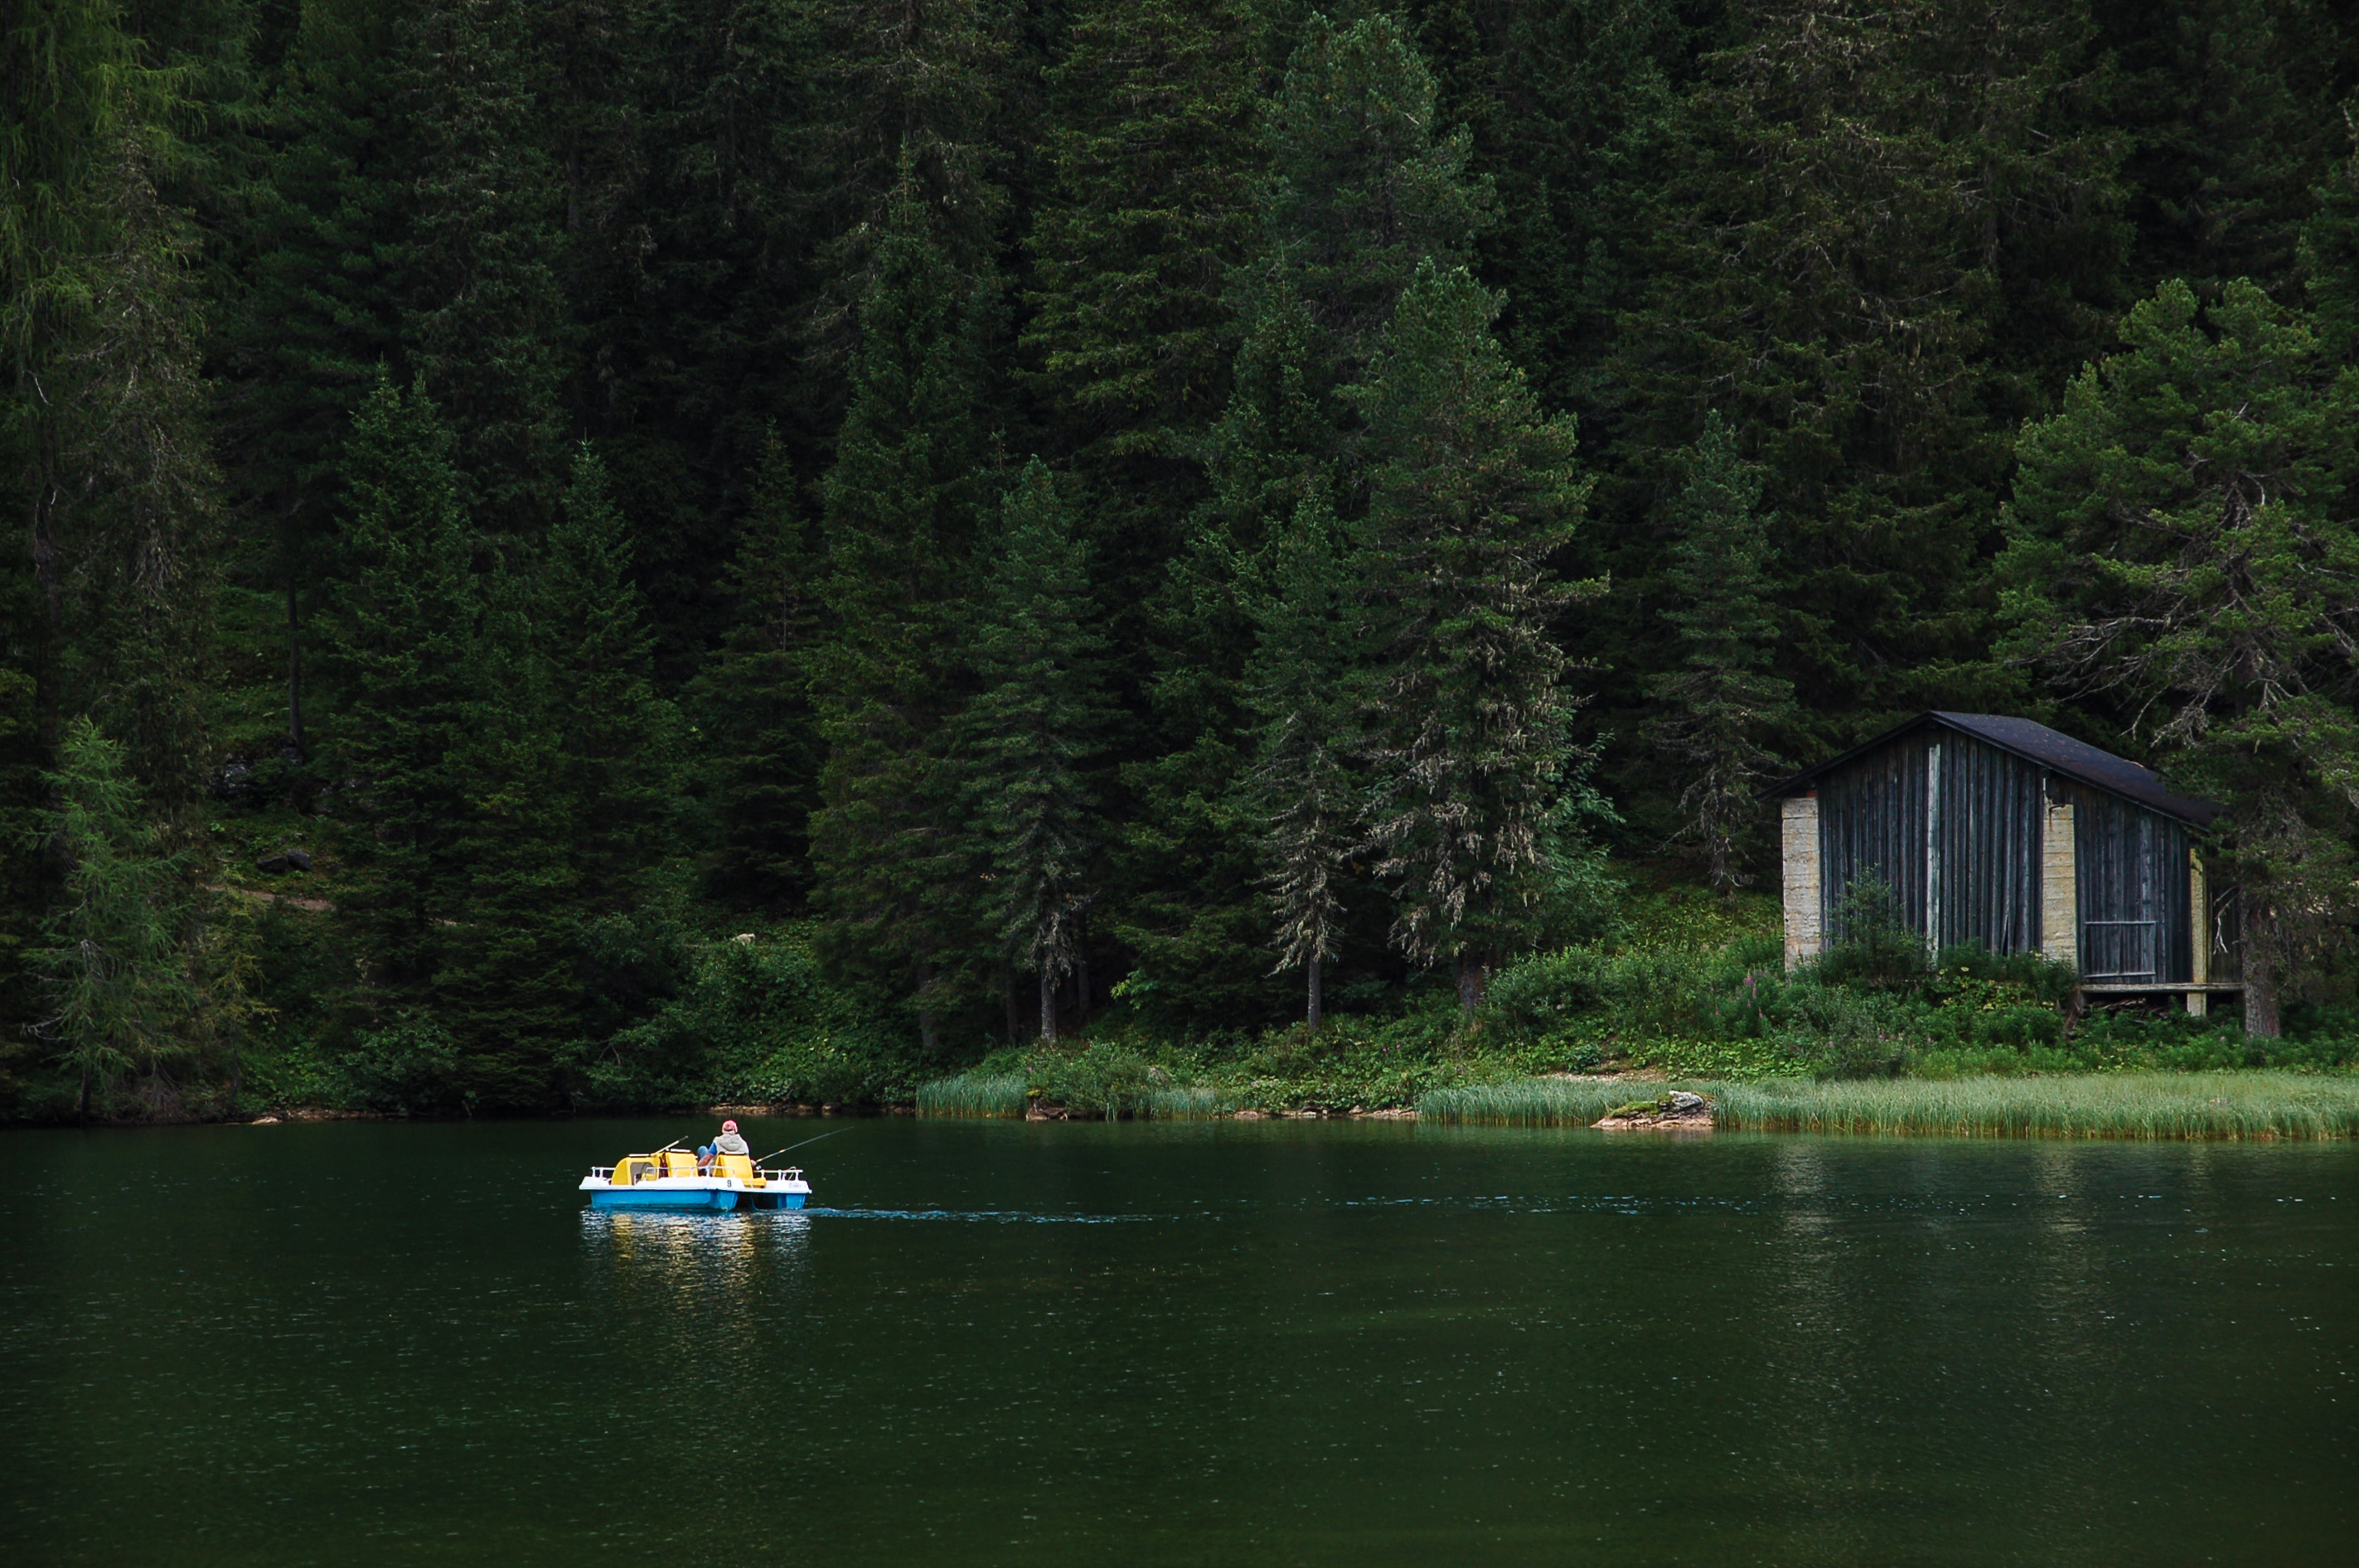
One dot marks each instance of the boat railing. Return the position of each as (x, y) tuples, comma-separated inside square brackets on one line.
[(602, 1172), (770, 1174)]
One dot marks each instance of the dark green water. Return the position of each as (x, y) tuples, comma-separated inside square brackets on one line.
[(1368, 1344)]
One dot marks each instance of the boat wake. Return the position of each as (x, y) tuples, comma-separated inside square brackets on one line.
[(982, 1216)]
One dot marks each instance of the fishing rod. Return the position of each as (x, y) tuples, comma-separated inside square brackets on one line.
[(792, 1147)]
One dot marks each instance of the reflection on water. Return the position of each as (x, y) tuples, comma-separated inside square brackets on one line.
[(1209, 1344)]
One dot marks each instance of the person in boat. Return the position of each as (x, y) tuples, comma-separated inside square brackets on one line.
[(729, 1142)]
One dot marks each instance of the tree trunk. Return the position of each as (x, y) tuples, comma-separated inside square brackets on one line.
[(233, 1076), (294, 669), (1047, 1004), (1474, 974), (1316, 1013), (1081, 984), (926, 1007), (1014, 1014), (2261, 1020)]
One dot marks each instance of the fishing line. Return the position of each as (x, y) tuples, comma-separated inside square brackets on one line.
[(804, 1144)]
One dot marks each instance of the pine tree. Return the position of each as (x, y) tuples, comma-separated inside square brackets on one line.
[(1719, 701), (2181, 558), (486, 322), (898, 525), (508, 989), (316, 312), (1028, 736), (1892, 231), (912, 100), (1364, 187), (104, 429), (115, 978), (753, 702), (1303, 792), (614, 736), (1362, 192), (1150, 206), (2231, 110), (1473, 493), (401, 643), (690, 276), (1573, 108)]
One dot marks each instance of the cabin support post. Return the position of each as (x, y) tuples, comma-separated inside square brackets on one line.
[(1934, 850), (1805, 906), (2199, 935), (2059, 886)]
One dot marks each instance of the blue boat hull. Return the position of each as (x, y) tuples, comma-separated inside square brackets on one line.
[(627, 1197), (692, 1202)]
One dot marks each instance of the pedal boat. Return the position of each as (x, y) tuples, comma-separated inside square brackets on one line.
[(669, 1179)]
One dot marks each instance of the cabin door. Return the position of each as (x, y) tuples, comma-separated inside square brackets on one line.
[(2122, 911)]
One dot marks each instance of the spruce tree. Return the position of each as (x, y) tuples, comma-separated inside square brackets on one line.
[(114, 975), (401, 643), (508, 987), (104, 429), (1150, 205), (2182, 560), (1473, 493), (1363, 185), (1303, 792), (486, 322), (1719, 701), (615, 738), (1891, 231), (317, 306), (753, 702), (910, 100), (898, 527), (1029, 734)]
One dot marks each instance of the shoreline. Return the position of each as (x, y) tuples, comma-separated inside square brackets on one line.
[(2254, 1105)]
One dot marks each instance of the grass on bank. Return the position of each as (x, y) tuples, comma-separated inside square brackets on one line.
[(2136, 1105)]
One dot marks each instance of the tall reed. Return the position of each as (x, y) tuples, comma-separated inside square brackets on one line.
[(2242, 1105), (2095, 1105), (974, 1094), (1530, 1102)]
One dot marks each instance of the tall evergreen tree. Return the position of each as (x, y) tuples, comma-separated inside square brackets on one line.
[(402, 644), (614, 736), (1720, 699), (316, 310), (913, 99), (1573, 108), (487, 322), (1892, 231), (1149, 207), (899, 531), (1303, 792), (113, 970), (1029, 734), (508, 984), (1474, 492), (2230, 110), (2181, 558), (753, 702), (1364, 187), (104, 430)]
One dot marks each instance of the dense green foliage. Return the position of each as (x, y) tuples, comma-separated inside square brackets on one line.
[(1123, 527)]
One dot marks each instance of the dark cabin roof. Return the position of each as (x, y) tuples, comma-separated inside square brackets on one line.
[(2076, 759)]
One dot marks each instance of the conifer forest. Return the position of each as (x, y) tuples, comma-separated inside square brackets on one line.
[(616, 553)]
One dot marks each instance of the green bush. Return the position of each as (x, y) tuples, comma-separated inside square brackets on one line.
[(756, 1023), (409, 1067)]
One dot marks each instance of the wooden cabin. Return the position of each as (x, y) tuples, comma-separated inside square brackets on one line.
[(2003, 832)]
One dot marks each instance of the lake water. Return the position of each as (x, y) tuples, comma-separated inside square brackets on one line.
[(1366, 1344)]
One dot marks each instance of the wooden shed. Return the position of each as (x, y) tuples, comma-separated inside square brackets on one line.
[(2003, 832)]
